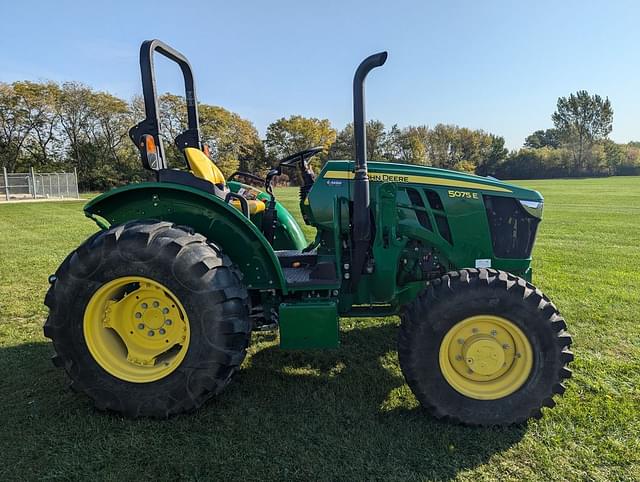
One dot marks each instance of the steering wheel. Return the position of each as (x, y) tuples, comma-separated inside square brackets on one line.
[(269, 218), (292, 161), (302, 156)]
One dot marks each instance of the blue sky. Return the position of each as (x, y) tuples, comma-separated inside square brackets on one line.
[(495, 65)]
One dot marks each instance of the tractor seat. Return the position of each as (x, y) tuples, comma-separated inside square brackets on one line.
[(204, 168)]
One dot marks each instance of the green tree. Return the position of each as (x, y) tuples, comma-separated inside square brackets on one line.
[(343, 148), (408, 145), (493, 157), (581, 120), (543, 138), (15, 126), (614, 156), (43, 141), (75, 116), (173, 121), (233, 141), (377, 141), (630, 165), (454, 147), (439, 145), (287, 136), (116, 159), (528, 163), (111, 121), (296, 133), (378, 148)]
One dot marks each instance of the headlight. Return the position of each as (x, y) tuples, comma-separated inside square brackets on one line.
[(532, 207)]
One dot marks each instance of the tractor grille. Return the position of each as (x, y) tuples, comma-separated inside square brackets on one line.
[(513, 230)]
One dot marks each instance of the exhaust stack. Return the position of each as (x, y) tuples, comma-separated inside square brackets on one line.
[(361, 222)]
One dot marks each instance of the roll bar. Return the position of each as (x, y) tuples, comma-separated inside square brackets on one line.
[(150, 126), (361, 224)]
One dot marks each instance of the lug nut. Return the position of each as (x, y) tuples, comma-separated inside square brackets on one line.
[(151, 333), (140, 326), (165, 310), (518, 355), (475, 330), (167, 322), (156, 304), (138, 315), (494, 332), (506, 346), (161, 331), (459, 357), (144, 306), (461, 341)]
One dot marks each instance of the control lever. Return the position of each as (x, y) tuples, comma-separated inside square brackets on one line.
[(270, 219)]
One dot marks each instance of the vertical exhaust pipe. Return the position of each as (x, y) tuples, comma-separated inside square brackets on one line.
[(361, 222)]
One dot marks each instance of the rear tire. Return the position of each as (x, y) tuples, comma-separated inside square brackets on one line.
[(456, 300), (204, 283)]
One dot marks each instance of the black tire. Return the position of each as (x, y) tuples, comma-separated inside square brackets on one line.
[(201, 277), (469, 292)]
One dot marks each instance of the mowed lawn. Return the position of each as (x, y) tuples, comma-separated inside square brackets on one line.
[(343, 414)]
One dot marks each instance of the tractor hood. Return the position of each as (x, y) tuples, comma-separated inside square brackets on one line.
[(411, 174)]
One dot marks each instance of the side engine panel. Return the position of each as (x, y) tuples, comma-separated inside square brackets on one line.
[(428, 221)]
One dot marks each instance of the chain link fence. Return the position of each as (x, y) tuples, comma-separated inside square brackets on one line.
[(38, 185)]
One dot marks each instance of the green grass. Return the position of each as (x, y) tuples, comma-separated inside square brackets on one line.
[(344, 414)]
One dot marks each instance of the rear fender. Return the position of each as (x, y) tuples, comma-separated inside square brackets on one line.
[(205, 213)]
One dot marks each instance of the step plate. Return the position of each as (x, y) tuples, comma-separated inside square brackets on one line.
[(309, 325), (303, 277)]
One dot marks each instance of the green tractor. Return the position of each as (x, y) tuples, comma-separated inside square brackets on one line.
[(152, 315)]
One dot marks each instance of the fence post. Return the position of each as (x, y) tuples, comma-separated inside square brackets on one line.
[(6, 182), (33, 181), (58, 179), (66, 181), (75, 175)]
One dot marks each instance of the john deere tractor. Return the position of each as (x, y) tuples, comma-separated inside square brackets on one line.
[(152, 315)]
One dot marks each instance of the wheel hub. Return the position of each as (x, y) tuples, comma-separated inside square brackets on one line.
[(144, 331), (485, 357), (153, 319)]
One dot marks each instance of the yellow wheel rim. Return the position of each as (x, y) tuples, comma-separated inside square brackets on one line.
[(486, 357), (136, 329)]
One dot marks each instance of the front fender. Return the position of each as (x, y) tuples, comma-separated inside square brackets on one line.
[(205, 213)]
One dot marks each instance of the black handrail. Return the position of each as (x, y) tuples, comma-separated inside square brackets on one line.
[(244, 204), (151, 124)]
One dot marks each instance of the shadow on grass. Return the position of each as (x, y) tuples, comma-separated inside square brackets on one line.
[(340, 414)]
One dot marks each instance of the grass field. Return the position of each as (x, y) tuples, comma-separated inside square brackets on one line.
[(343, 414)]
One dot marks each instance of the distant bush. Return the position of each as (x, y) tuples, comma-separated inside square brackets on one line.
[(603, 159)]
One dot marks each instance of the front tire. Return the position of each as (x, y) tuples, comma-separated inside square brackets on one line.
[(148, 319), (484, 347)]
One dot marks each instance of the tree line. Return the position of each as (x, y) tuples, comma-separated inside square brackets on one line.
[(61, 126)]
